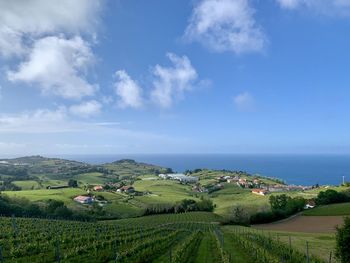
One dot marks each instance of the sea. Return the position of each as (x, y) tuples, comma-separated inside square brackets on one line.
[(306, 169)]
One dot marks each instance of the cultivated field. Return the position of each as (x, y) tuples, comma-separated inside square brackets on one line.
[(181, 238), (306, 224)]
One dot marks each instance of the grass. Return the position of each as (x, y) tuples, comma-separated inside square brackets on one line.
[(232, 195), (320, 245), (91, 178), (342, 209), (236, 253), (27, 185), (162, 191), (65, 195)]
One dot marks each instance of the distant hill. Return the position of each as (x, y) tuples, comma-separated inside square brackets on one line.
[(128, 167), (56, 168)]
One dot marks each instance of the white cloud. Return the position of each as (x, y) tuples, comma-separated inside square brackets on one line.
[(46, 121), (128, 91), (39, 121), (86, 109), (21, 21), (56, 65), (10, 42), (171, 82), (289, 4), (226, 25), (244, 102), (322, 7)]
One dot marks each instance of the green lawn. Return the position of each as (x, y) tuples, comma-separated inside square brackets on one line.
[(342, 209)]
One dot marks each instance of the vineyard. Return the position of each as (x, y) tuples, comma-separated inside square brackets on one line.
[(188, 237)]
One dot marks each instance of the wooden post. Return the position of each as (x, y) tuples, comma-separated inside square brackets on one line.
[(307, 252), (290, 248), (58, 257), (1, 258), (330, 257)]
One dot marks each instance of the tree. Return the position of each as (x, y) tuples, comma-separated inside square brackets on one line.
[(278, 202), (295, 205), (330, 196), (343, 242), (205, 205), (238, 216), (52, 205), (73, 183)]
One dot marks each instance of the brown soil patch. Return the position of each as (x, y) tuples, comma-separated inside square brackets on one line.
[(309, 224)]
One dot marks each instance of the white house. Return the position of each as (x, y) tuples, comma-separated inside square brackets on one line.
[(83, 199), (259, 191)]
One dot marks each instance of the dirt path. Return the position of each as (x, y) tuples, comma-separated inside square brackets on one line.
[(308, 224)]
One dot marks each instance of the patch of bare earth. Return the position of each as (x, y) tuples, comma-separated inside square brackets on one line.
[(308, 224)]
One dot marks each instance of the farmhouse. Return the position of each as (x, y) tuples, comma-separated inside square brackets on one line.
[(127, 189), (259, 192), (83, 199), (310, 204), (98, 188)]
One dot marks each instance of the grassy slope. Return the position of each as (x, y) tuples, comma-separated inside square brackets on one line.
[(27, 185), (232, 195), (162, 191), (320, 245), (65, 195), (91, 178), (330, 210)]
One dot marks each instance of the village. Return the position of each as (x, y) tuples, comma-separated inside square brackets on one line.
[(257, 185)]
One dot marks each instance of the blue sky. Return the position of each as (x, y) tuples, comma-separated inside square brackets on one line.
[(174, 76)]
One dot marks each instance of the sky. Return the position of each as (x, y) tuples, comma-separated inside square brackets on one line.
[(174, 76)]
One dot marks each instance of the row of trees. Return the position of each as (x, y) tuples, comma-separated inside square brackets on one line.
[(185, 205), (282, 206), (331, 197)]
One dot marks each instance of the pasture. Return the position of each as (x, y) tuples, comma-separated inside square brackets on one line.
[(342, 209)]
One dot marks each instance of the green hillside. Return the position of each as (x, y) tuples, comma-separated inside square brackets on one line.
[(342, 209)]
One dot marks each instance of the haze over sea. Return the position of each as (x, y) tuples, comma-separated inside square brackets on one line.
[(294, 169)]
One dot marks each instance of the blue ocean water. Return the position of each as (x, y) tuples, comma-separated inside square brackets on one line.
[(294, 169)]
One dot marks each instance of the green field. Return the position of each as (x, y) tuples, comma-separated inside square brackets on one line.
[(27, 185), (320, 245), (91, 178), (162, 191), (66, 195), (342, 209)]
